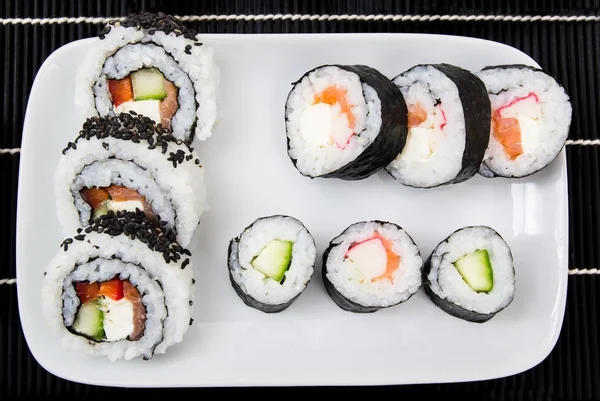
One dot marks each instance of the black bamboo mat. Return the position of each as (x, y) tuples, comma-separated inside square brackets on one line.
[(563, 36)]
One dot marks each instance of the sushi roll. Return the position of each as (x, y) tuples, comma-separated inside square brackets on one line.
[(121, 288), (155, 66), (371, 265), (128, 163), (448, 126), (271, 262), (470, 274), (531, 116), (344, 121)]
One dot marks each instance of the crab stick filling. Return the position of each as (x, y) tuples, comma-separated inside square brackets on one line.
[(373, 259), (423, 128), (146, 92), (109, 311), (517, 125), (115, 198), (330, 120)]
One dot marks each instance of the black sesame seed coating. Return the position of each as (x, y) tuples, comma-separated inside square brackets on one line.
[(134, 128), (154, 22), (153, 233)]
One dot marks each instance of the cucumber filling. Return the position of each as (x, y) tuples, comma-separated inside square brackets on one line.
[(148, 84), (476, 270), (274, 260), (90, 321)]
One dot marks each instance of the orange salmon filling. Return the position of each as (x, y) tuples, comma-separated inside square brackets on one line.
[(333, 95), (416, 115), (393, 260), (507, 130), (96, 196)]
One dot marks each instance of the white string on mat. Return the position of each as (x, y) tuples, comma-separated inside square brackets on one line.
[(7, 281), (318, 17), (583, 142), (10, 151), (583, 272)]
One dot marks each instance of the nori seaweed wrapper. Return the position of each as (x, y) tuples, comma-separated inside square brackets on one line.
[(393, 132), (447, 306)]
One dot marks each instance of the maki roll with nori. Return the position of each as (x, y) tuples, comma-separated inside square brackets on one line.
[(371, 265), (155, 66), (122, 287), (128, 163), (470, 274), (531, 116), (271, 262), (344, 121), (448, 126)]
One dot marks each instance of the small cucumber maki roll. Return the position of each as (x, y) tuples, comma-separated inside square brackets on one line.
[(448, 126), (371, 265), (531, 117), (470, 274), (271, 262), (344, 122)]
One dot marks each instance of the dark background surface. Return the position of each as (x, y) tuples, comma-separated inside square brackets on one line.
[(568, 50)]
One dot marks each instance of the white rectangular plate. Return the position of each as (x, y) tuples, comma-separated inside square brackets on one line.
[(248, 174)]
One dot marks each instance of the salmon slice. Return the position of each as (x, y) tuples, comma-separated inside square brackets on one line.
[(168, 106), (393, 260), (139, 311), (87, 291), (94, 196), (119, 193), (333, 95), (416, 115), (508, 132)]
